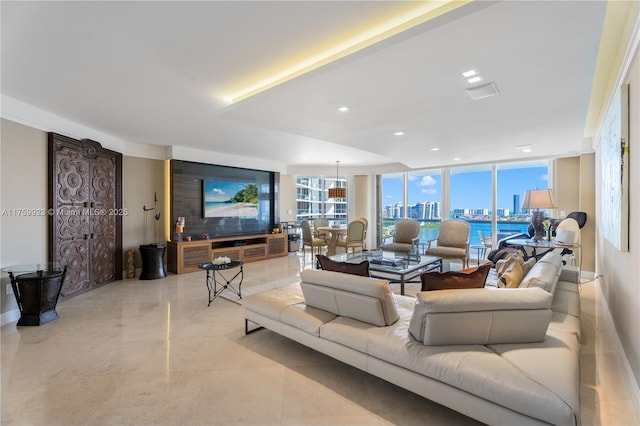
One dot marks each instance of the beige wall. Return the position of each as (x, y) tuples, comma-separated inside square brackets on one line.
[(362, 203), (288, 198), (621, 270), (141, 178), (574, 189), (23, 170), (24, 239), (588, 205), (566, 187)]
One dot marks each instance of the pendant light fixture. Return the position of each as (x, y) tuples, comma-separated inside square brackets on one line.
[(337, 192)]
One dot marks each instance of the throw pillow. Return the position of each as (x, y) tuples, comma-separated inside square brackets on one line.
[(503, 265), (466, 278), (526, 266), (328, 264), (512, 277)]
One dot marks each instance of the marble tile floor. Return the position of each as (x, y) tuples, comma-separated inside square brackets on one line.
[(152, 353)]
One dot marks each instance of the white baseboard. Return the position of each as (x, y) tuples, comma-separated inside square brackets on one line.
[(611, 328), (10, 316)]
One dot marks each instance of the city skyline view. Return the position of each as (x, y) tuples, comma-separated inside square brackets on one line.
[(469, 189)]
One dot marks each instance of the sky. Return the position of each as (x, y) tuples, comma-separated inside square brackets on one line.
[(469, 189)]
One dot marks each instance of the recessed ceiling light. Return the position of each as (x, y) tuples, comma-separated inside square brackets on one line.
[(524, 148), (457, 159), (469, 73), (343, 109), (399, 133), (474, 79), (435, 149)]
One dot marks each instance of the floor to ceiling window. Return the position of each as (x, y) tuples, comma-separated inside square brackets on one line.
[(513, 179), (392, 203), (424, 197), (313, 202), (470, 197)]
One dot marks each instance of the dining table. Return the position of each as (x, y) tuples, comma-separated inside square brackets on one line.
[(334, 234)]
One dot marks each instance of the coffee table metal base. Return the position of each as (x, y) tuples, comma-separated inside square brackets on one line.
[(217, 282)]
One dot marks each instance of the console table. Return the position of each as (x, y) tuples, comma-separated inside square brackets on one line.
[(546, 245), (186, 256)]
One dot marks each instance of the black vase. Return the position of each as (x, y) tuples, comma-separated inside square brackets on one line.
[(152, 261), (537, 219)]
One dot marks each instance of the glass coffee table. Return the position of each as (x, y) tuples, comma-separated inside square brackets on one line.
[(395, 267)]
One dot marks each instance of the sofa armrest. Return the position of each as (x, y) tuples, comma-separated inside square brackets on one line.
[(570, 274), (481, 316)]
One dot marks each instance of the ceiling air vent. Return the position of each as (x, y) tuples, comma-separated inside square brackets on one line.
[(483, 91)]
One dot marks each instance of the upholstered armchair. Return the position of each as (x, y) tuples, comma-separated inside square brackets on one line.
[(308, 240), (354, 238), (452, 241), (405, 237)]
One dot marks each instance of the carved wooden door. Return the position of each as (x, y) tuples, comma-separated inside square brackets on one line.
[(85, 201)]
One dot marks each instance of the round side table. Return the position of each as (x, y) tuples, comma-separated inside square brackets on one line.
[(215, 278)]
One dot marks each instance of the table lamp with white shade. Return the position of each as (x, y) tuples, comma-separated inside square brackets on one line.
[(534, 200)]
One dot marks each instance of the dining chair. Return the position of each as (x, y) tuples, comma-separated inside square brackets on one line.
[(452, 241), (485, 240), (354, 237), (366, 227), (308, 240), (317, 224)]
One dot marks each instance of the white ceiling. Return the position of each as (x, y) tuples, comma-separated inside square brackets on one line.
[(157, 73)]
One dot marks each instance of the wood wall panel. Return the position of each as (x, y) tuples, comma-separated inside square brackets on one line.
[(186, 200)]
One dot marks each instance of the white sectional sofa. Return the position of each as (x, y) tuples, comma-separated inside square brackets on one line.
[(501, 356)]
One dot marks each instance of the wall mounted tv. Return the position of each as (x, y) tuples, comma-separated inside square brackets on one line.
[(229, 199), (221, 201)]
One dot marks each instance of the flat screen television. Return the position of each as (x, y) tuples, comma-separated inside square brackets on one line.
[(230, 199)]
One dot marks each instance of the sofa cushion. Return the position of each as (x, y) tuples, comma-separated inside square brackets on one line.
[(544, 273), (306, 318), (566, 302), (481, 316), (465, 278), (328, 264), (271, 303), (553, 257), (366, 299)]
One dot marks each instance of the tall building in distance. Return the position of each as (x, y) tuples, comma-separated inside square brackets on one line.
[(424, 210), (516, 203)]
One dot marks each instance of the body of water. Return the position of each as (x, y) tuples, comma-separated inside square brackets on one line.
[(505, 229)]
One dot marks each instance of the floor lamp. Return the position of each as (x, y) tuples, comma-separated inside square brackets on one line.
[(534, 200)]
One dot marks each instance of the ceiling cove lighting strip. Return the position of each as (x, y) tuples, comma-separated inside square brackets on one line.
[(423, 13)]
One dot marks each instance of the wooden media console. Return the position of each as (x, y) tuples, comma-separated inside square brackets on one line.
[(185, 256)]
